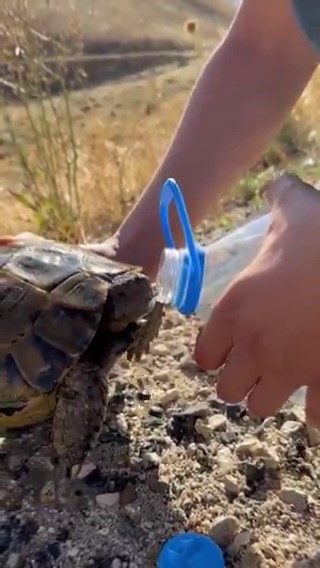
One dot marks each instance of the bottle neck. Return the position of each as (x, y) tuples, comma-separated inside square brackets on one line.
[(180, 278), (169, 275)]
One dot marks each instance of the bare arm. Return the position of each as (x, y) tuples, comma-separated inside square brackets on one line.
[(239, 102)]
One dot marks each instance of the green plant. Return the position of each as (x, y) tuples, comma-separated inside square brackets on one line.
[(35, 68)]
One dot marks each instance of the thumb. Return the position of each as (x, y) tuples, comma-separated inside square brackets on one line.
[(215, 339), (107, 248), (280, 190)]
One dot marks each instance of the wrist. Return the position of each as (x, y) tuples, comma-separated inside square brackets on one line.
[(135, 247)]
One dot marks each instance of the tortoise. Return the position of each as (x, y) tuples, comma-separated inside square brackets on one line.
[(66, 315)]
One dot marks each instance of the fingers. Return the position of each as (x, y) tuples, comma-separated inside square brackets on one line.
[(238, 376), (214, 343), (21, 239), (313, 404), (285, 189), (269, 395), (107, 248), (281, 186)]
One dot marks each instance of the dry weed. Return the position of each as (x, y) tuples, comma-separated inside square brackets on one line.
[(78, 184), (49, 162)]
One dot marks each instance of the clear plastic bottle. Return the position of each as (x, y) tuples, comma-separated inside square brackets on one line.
[(192, 278), (222, 260)]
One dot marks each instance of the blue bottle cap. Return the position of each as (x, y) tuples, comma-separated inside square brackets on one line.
[(189, 287), (191, 550)]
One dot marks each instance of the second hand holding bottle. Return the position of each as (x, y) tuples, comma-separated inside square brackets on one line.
[(192, 278)]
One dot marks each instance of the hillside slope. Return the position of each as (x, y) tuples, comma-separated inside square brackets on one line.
[(125, 20)]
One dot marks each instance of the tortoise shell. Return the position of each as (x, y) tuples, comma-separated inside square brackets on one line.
[(51, 301)]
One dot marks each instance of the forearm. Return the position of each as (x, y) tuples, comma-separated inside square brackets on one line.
[(236, 108)]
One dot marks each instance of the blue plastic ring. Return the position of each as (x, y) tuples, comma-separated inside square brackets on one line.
[(171, 191)]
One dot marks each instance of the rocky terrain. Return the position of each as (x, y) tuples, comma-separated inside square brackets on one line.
[(171, 458)]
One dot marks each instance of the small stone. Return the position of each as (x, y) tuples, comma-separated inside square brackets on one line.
[(151, 460), (217, 422), (156, 412), (122, 425), (128, 495), (73, 552), (271, 459), (252, 447), (85, 470), (192, 450), (264, 426), (295, 497), (205, 392), (207, 428), (231, 486), (13, 561), (229, 437), (202, 428), (47, 494), (17, 465), (252, 559), (155, 422), (116, 563), (162, 376), (291, 428), (313, 435), (200, 410), (12, 497), (189, 366), (241, 540), (224, 530), (225, 460), (179, 352), (249, 447), (169, 397), (108, 499), (160, 349)]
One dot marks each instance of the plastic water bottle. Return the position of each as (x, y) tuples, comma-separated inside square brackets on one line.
[(192, 278), (191, 550)]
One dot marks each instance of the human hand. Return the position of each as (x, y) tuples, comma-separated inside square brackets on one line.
[(265, 329), (21, 239), (107, 248)]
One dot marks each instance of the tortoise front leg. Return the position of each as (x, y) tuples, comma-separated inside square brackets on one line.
[(78, 419), (79, 414)]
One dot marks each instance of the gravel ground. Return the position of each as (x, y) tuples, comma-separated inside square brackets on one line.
[(171, 458)]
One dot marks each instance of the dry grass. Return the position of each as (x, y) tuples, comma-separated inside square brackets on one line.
[(73, 164)]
